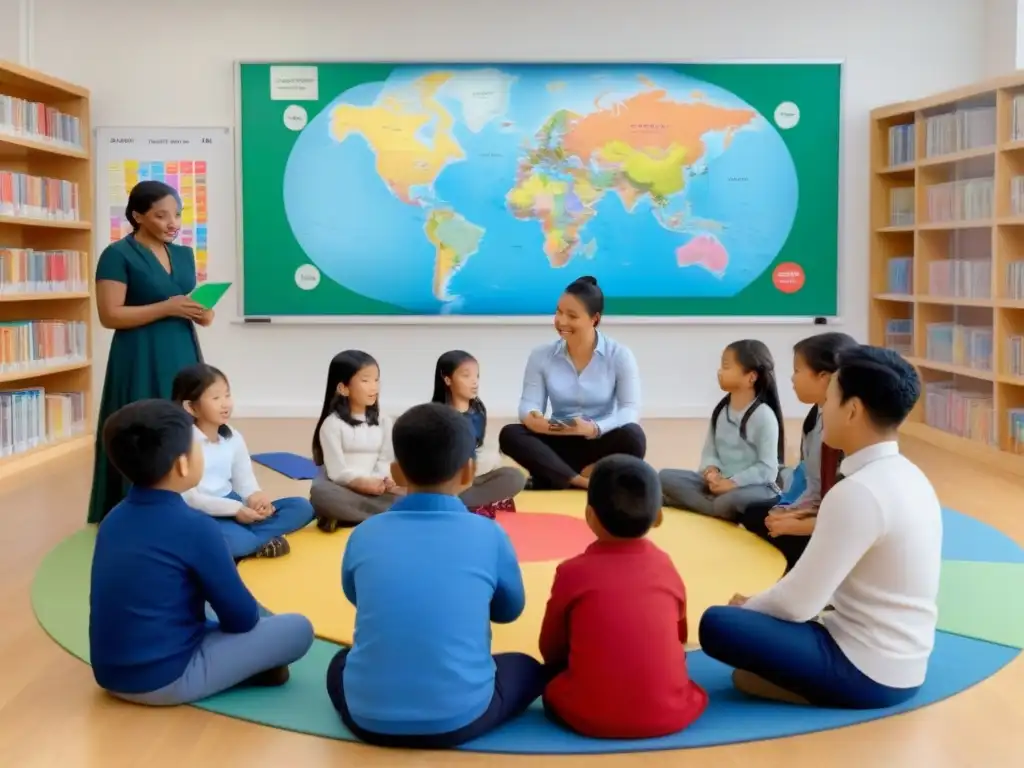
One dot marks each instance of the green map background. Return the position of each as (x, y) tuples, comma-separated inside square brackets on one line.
[(271, 254)]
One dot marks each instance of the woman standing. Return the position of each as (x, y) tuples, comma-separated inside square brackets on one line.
[(142, 287), (593, 385)]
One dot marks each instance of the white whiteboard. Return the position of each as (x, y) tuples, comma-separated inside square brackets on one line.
[(198, 162)]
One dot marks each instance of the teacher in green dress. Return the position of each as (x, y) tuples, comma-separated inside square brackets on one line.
[(142, 287)]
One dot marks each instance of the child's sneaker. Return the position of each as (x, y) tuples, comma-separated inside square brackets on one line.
[(491, 510), (276, 547), (326, 524)]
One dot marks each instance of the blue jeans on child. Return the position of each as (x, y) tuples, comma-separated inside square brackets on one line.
[(799, 657), (224, 660), (518, 681), (291, 514)]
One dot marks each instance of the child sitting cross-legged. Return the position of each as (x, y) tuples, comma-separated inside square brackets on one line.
[(615, 624), (158, 563), (427, 578)]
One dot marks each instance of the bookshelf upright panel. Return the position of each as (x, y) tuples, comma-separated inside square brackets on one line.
[(46, 285)]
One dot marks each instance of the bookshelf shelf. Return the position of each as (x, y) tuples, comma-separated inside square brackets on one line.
[(46, 286), (947, 262)]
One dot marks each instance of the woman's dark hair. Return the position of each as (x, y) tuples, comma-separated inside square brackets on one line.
[(754, 357), (821, 353), (190, 384), (343, 368), (589, 294), (447, 365), (144, 196)]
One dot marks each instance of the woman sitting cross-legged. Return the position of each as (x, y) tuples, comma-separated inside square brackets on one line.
[(593, 385), (875, 556)]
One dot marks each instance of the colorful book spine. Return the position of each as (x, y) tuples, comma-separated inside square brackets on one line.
[(960, 412), (963, 200), (36, 197), (28, 344), (962, 129), (1016, 427), (33, 417), (1015, 356), (902, 140), (27, 271), (954, 344), (899, 336), (960, 278), (901, 207), (900, 275), (37, 121)]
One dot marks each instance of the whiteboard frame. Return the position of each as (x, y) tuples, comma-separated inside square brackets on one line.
[(526, 320)]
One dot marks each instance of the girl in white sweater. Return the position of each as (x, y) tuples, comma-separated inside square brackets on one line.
[(352, 446)]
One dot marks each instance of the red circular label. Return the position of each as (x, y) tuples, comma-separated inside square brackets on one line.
[(788, 277)]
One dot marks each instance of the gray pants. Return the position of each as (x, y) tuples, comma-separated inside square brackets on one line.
[(497, 485), (348, 507), (685, 489), (224, 660)]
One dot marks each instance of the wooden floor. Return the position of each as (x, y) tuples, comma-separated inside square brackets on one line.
[(51, 713)]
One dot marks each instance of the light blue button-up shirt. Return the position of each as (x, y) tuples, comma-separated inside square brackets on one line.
[(606, 392)]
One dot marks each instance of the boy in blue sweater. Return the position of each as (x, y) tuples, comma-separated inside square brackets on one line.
[(427, 577), (157, 564)]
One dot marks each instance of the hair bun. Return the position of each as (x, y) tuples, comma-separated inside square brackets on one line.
[(587, 279)]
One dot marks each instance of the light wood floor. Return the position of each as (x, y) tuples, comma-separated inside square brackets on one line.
[(51, 713)]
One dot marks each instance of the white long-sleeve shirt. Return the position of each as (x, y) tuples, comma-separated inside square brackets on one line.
[(228, 468), (352, 452), (875, 556)]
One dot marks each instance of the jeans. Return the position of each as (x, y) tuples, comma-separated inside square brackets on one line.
[(243, 539)]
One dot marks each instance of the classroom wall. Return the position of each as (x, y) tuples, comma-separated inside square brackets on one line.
[(170, 64), (9, 30), (1001, 36)]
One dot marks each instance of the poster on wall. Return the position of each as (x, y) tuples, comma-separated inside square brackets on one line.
[(197, 162)]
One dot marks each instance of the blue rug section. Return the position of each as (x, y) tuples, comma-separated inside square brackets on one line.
[(302, 705), (965, 538), (288, 464)]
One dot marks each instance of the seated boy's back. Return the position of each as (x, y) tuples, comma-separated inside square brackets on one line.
[(616, 620), (427, 579)]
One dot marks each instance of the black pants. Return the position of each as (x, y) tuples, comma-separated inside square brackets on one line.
[(554, 460), (791, 547), (518, 681)]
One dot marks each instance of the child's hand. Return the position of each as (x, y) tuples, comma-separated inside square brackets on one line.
[(248, 516), (719, 485), (711, 473), (261, 502), (370, 486), (738, 601)]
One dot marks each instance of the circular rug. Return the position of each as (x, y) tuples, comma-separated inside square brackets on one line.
[(983, 575), (715, 559)]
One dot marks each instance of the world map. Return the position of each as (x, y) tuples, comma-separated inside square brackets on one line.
[(484, 190)]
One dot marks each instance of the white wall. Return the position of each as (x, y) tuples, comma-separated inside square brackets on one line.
[(170, 64), (10, 34), (1001, 34)]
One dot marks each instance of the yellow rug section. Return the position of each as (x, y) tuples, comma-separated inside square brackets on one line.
[(715, 559)]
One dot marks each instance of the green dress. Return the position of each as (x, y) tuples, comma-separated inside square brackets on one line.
[(144, 360)]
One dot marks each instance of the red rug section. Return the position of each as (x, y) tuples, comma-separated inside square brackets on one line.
[(545, 536)]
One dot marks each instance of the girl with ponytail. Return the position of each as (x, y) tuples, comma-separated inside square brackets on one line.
[(745, 445)]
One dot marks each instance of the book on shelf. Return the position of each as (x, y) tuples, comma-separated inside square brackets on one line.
[(964, 413), (30, 418), (901, 207), (960, 278), (1015, 417), (37, 197), (899, 336), (1015, 355), (28, 271), (29, 344), (962, 200), (955, 344), (1017, 195), (1017, 127), (902, 139), (39, 122), (1015, 280), (900, 275), (962, 129)]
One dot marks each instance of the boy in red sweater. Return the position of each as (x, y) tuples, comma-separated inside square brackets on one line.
[(616, 621)]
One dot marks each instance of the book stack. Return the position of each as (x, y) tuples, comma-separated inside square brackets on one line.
[(901, 207), (960, 278), (901, 275), (899, 336), (36, 197), (1016, 419), (954, 344), (960, 412), (1017, 127), (962, 129), (1017, 195), (30, 418), (37, 121), (1015, 280), (1015, 356), (29, 344), (902, 139), (24, 270), (964, 200)]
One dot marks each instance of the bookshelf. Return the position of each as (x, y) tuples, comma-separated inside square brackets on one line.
[(947, 262), (46, 287)]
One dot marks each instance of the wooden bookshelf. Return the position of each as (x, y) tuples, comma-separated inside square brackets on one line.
[(959, 318), (25, 150)]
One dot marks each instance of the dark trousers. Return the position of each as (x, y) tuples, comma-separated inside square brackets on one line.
[(554, 460), (800, 657), (791, 547), (518, 681)]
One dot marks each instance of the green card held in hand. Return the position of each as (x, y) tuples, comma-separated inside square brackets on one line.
[(208, 294)]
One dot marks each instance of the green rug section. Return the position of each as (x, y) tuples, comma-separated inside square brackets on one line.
[(982, 600), (60, 592)]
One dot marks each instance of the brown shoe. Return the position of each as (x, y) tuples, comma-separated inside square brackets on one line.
[(276, 547), (759, 688), (326, 524), (270, 678)]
